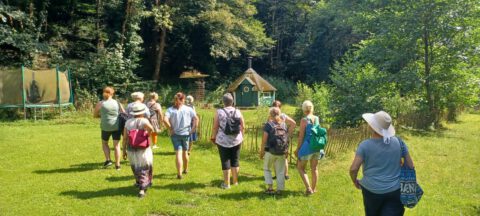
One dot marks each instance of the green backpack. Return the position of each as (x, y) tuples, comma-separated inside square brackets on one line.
[(318, 139)]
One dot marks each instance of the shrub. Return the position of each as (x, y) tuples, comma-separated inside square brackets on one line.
[(320, 95), (286, 89)]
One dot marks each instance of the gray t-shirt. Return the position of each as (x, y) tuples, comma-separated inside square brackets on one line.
[(381, 164), (109, 115), (180, 119)]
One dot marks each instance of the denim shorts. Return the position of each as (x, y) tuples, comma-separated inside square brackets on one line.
[(180, 142), (315, 156)]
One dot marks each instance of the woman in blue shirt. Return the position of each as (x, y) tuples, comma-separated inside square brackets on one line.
[(380, 156)]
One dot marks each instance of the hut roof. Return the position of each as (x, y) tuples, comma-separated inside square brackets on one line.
[(259, 83), (192, 74)]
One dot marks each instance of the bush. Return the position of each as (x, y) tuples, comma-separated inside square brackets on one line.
[(215, 97), (286, 89)]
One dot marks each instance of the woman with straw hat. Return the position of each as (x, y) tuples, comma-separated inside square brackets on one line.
[(380, 158), (141, 160)]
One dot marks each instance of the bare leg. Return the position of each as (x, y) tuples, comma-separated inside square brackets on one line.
[(235, 171), (106, 150), (179, 162), (186, 159), (313, 166), (301, 169), (116, 145), (190, 144), (226, 177)]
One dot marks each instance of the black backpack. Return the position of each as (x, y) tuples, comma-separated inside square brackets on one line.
[(232, 127), (277, 139)]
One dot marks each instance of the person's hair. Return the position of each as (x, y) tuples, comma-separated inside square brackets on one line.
[(137, 96), (227, 100), (178, 100), (190, 99), (307, 106), (277, 103), (153, 95), (275, 114), (108, 92)]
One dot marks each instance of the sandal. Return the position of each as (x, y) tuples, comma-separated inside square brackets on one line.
[(309, 192), (270, 191)]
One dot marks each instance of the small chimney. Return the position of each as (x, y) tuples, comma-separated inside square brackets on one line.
[(249, 62)]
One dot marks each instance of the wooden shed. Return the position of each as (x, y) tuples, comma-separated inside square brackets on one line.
[(250, 89)]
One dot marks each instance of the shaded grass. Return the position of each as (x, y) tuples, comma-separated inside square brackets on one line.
[(55, 169)]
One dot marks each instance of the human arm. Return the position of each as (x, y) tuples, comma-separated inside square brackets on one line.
[(291, 125), (96, 111), (148, 127), (215, 127), (354, 168), (120, 107), (166, 121), (264, 142), (242, 125), (124, 144), (301, 135), (194, 122)]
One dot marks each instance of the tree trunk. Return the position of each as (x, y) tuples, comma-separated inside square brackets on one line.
[(432, 115), (160, 52), (98, 26), (128, 5)]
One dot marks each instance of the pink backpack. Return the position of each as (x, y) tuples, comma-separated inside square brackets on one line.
[(138, 138)]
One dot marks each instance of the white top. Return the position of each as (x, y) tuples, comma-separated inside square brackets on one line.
[(222, 139)]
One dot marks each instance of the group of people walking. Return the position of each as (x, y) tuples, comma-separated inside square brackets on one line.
[(380, 155)]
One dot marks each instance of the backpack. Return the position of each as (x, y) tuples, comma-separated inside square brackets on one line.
[(232, 127), (318, 138), (138, 138), (122, 118), (277, 142)]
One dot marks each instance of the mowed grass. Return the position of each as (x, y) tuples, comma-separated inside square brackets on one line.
[(54, 168)]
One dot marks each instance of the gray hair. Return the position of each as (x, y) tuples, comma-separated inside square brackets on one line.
[(227, 99)]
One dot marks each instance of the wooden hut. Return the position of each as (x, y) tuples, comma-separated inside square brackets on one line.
[(250, 89)]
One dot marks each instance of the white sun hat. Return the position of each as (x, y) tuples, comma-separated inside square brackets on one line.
[(138, 109), (381, 122)]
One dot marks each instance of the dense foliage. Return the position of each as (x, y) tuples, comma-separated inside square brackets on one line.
[(370, 55)]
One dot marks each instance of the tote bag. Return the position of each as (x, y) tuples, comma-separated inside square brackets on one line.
[(410, 190)]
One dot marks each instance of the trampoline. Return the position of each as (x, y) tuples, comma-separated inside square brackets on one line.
[(27, 88)]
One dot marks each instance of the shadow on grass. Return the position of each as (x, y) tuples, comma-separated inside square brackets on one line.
[(131, 177), (84, 167), (164, 153), (245, 177), (260, 195), (187, 186), (110, 192)]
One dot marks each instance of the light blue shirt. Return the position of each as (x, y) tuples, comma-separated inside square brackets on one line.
[(381, 165), (180, 119)]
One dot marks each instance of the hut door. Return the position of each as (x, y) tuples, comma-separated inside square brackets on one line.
[(246, 96)]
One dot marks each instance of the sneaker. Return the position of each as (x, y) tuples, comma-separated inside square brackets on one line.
[(117, 167), (155, 147), (185, 172), (141, 194), (287, 177), (107, 163), (179, 177), (224, 186), (309, 192)]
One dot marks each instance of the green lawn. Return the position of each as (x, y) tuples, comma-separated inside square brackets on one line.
[(54, 168)]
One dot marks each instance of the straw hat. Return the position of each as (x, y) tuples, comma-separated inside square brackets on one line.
[(138, 109), (380, 122)]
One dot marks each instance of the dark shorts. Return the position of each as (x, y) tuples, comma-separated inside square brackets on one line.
[(382, 204), (229, 156), (115, 135)]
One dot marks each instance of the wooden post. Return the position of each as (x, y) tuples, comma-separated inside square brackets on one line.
[(59, 99), (24, 94)]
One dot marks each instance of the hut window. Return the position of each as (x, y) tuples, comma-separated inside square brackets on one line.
[(266, 95), (246, 89)]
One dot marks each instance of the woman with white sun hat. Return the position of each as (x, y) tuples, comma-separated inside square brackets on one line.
[(380, 157)]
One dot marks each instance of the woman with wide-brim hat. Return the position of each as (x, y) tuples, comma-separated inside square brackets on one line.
[(141, 160), (380, 156)]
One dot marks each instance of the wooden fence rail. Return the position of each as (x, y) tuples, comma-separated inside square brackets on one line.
[(339, 140)]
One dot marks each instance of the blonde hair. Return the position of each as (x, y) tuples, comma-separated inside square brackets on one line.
[(275, 114), (137, 96), (307, 106), (153, 95)]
